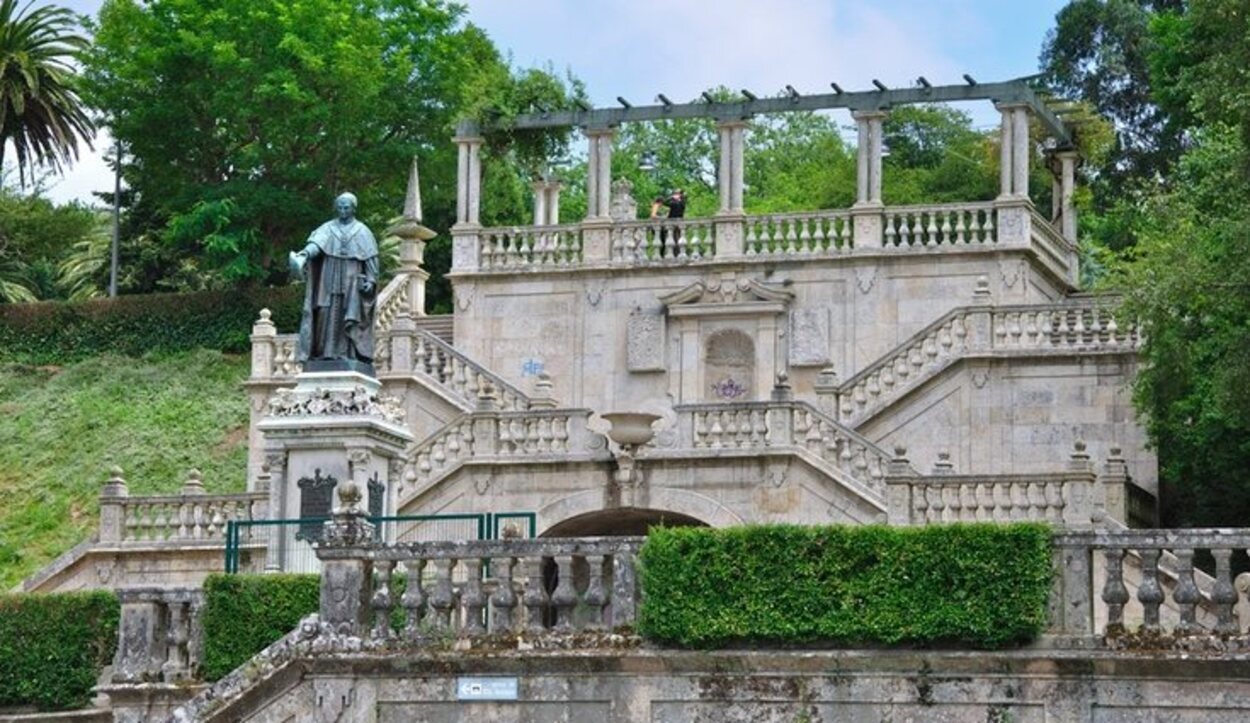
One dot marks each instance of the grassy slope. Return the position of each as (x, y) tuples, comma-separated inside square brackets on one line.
[(62, 427)]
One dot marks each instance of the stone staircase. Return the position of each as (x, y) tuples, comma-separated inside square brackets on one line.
[(1080, 324)]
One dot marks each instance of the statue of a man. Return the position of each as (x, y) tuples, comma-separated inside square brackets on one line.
[(340, 264)]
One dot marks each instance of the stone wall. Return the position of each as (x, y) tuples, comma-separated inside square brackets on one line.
[(683, 686)]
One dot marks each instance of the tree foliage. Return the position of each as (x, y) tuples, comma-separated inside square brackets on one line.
[(245, 118), (41, 113)]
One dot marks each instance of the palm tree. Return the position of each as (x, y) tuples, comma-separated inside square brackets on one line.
[(40, 110)]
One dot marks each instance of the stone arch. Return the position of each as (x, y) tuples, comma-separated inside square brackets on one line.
[(675, 503), (729, 366)]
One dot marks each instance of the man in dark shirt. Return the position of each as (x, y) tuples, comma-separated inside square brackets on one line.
[(676, 204)]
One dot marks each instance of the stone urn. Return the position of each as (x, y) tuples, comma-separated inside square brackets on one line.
[(630, 429)]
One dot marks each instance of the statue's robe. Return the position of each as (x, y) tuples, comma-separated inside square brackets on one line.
[(337, 322)]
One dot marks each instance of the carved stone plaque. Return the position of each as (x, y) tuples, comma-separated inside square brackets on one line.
[(809, 337), (316, 500), (645, 341)]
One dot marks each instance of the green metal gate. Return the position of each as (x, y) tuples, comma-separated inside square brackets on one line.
[(289, 543)]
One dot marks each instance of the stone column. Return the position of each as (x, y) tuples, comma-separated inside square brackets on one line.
[(1067, 187), (866, 213), (730, 181), (540, 202), (723, 133), (553, 202), (1013, 172), (597, 228), (466, 254)]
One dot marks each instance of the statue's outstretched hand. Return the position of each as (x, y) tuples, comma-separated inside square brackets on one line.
[(367, 288), (297, 262)]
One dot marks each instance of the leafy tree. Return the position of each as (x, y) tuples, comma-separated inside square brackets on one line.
[(244, 118), (35, 234), (40, 111), (1188, 283)]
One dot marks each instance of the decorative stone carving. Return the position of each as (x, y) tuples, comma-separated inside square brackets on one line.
[(623, 207), (645, 341), (728, 288), (865, 277), (809, 337), (377, 496), (730, 365), (979, 379), (355, 402)]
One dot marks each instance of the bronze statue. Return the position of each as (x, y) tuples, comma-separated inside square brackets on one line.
[(340, 265)]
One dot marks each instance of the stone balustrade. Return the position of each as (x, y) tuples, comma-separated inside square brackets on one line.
[(821, 232), (926, 352), (978, 330), (783, 424), (189, 517), (465, 589), (662, 241), (965, 224), (1070, 498), (962, 227), (995, 498), (159, 635), (416, 351), (530, 247), (497, 435), (393, 299), (1082, 325), (1165, 601)]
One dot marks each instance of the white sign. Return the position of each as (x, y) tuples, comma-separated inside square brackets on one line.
[(486, 689)]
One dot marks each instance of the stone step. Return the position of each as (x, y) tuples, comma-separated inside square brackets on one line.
[(441, 325)]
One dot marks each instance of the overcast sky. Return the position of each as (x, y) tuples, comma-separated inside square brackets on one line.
[(637, 48)]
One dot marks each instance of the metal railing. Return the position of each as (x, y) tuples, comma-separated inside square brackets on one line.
[(289, 544)]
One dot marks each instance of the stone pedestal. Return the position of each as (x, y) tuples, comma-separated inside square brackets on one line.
[(331, 428)]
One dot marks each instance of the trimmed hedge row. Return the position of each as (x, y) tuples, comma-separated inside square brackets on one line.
[(56, 332), (53, 647), (979, 585), (244, 614)]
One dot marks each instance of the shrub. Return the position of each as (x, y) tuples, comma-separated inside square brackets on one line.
[(56, 332), (53, 647), (244, 614), (980, 584)]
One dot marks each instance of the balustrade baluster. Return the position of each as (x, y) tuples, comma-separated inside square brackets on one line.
[(1002, 501), (985, 502), (1186, 595), (564, 597), (717, 431), (954, 505), (1114, 593), (1036, 494), (472, 597), (1149, 592), (535, 596), (1054, 502), (382, 601), (1223, 594), (891, 236), (968, 502), (987, 229), (413, 599), (442, 597), (596, 596), (503, 600), (751, 241), (937, 505), (931, 231)]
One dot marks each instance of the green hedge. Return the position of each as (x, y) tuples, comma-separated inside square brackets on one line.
[(53, 647), (244, 614), (981, 585), (56, 332)]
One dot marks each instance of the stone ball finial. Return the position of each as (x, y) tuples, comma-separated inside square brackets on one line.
[(900, 451), (1115, 451), (265, 315), (1079, 445), (944, 456), (782, 378), (349, 496), (115, 485), (115, 474)]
